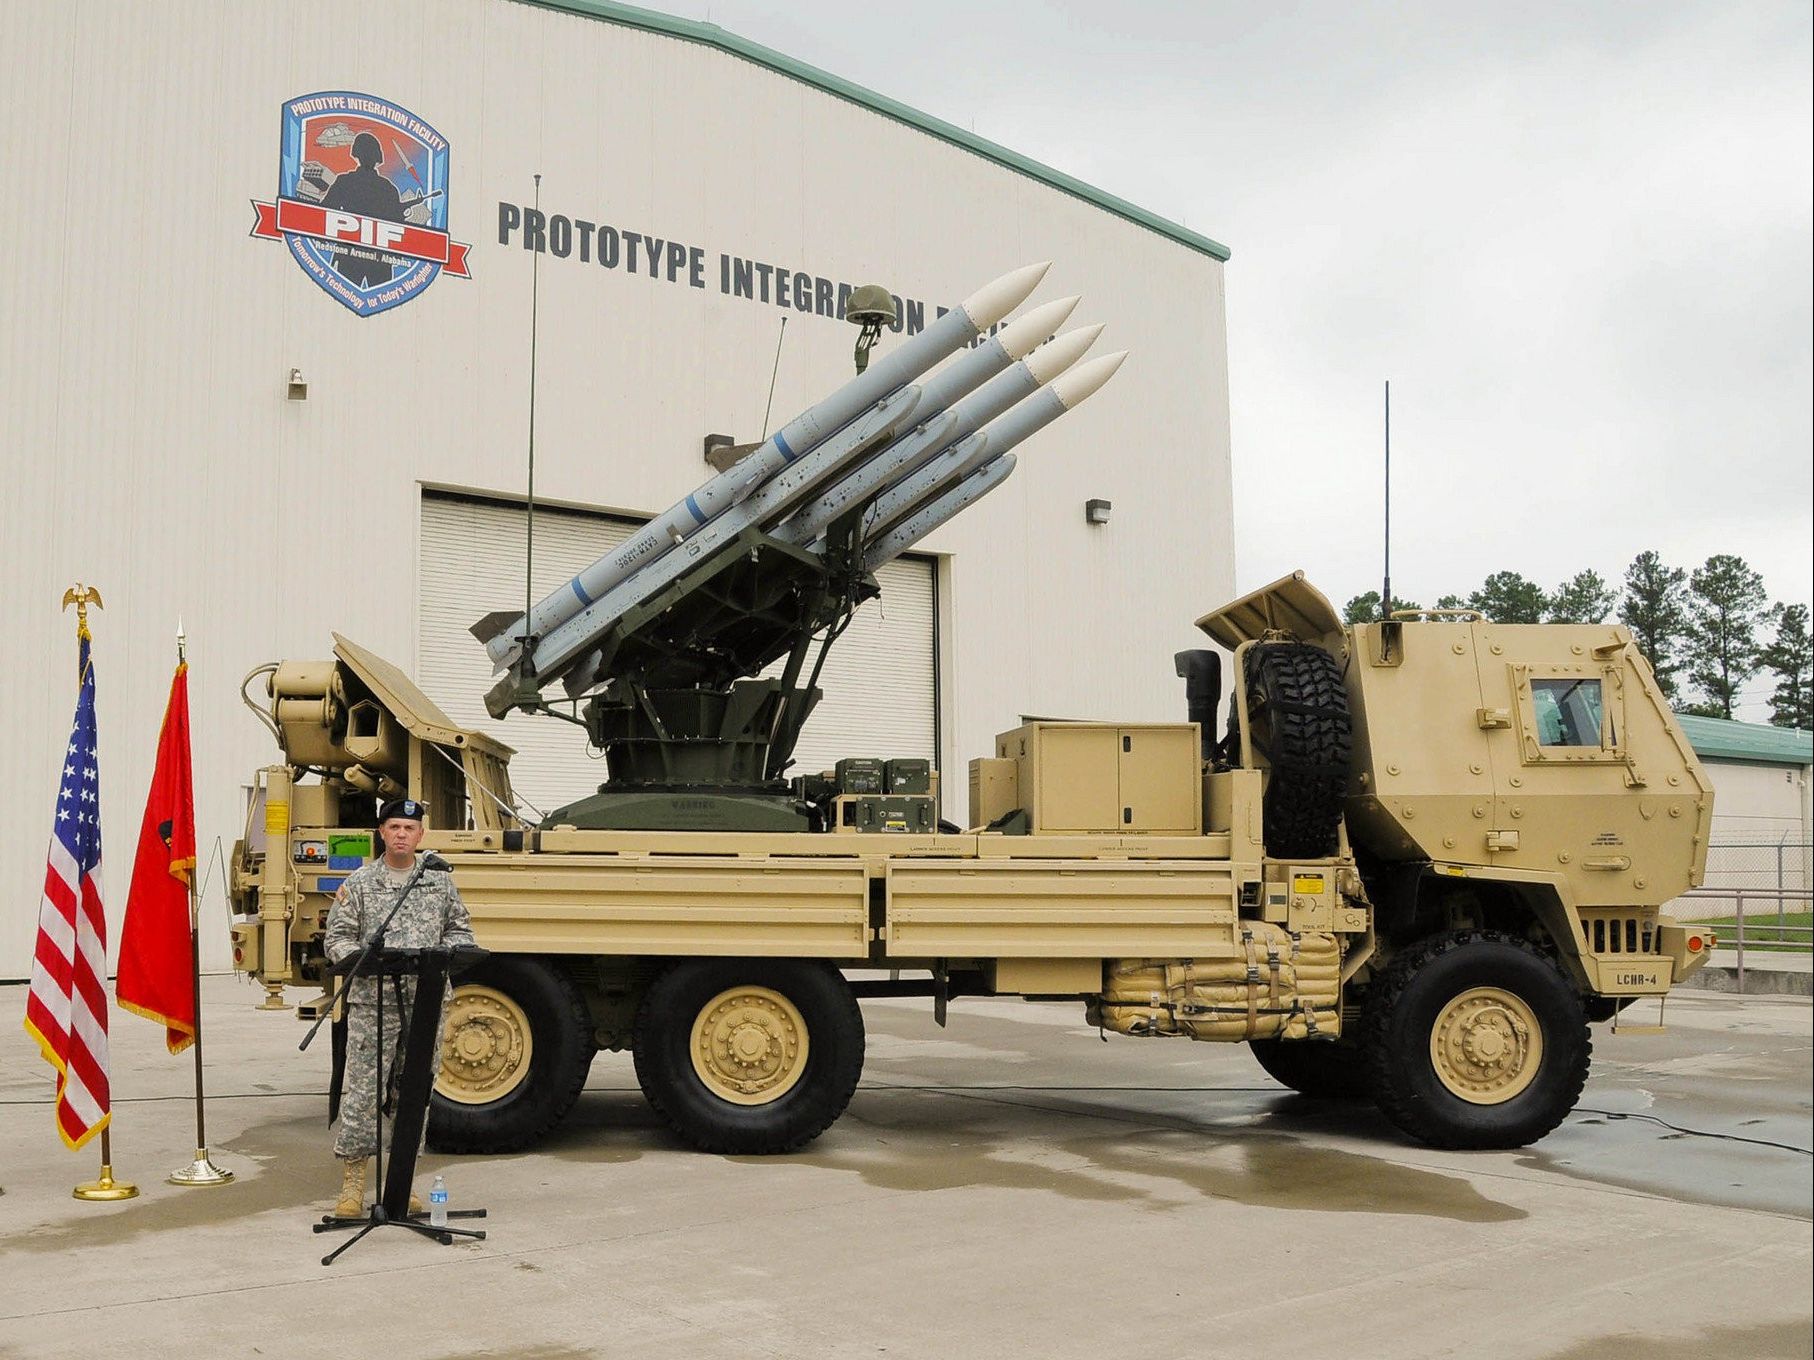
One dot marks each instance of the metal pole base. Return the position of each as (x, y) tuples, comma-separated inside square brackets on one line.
[(416, 1223), (201, 1171), (273, 999), (106, 1188)]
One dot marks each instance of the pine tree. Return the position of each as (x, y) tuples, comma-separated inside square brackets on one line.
[(1508, 597), (1583, 598), (1725, 605), (1365, 608), (1655, 610), (1790, 658)]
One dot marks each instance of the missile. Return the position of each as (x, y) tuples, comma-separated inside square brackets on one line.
[(972, 444), (1062, 395), (950, 332), (916, 448), (570, 646), (911, 530), (774, 499)]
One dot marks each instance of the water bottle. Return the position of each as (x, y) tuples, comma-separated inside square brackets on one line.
[(437, 1203)]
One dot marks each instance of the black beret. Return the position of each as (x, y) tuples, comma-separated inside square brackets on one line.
[(407, 808)]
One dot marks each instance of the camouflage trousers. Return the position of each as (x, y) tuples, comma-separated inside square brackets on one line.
[(357, 1135)]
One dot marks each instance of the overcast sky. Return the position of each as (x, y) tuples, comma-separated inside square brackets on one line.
[(1575, 237)]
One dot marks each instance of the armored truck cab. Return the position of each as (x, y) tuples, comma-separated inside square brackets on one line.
[(1412, 864)]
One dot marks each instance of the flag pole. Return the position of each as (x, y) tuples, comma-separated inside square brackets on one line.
[(202, 1171), (106, 1187)]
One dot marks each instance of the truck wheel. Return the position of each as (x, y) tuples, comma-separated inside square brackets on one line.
[(1298, 709), (516, 1044), (749, 1055), (1316, 1068), (1475, 1040)]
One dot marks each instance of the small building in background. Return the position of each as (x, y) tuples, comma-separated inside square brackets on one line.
[(1761, 837)]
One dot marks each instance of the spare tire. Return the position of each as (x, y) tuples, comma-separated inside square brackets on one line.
[(1303, 735)]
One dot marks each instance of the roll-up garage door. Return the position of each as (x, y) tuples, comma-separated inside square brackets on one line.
[(879, 680)]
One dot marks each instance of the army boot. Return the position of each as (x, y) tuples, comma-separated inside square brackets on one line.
[(352, 1188)]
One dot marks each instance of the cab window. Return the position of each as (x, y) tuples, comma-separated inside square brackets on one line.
[(1568, 712)]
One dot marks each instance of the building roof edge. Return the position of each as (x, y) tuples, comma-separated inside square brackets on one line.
[(1758, 743), (711, 35)]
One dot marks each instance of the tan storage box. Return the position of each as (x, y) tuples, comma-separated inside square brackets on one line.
[(1108, 777)]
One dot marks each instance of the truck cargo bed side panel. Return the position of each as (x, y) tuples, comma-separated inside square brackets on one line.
[(668, 904), (1059, 909)]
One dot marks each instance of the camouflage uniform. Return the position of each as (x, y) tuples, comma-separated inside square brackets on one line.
[(433, 915)]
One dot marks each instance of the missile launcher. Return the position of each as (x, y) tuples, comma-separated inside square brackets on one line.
[(657, 643)]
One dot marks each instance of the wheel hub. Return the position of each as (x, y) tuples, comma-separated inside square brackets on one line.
[(1486, 1045), (749, 1045), (486, 1045)]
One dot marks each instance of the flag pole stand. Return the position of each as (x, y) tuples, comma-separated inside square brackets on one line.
[(201, 1171), (106, 1188)]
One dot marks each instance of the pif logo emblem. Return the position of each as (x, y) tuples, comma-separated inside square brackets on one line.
[(362, 200)]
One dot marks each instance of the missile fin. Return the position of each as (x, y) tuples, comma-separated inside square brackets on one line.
[(495, 624)]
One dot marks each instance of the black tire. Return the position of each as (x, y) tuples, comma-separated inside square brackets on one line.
[(1315, 1068), (560, 1053), (820, 1087), (1421, 987), (1297, 708)]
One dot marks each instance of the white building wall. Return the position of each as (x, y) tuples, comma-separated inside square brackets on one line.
[(148, 446), (1758, 802)]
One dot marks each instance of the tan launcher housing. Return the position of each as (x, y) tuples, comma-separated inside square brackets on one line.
[(1414, 862)]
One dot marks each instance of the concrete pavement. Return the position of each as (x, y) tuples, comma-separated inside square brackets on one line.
[(1010, 1186)]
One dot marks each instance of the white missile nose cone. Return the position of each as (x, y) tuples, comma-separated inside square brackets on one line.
[(1020, 335), (1048, 361), (993, 301), (1071, 388)]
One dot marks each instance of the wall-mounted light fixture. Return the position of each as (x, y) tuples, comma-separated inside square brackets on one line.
[(1096, 511), (298, 389)]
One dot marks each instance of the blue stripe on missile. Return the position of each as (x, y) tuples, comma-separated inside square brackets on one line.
[(698, 514), (781, 444), (580, 591)]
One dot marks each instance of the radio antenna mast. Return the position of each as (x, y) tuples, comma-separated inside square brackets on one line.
[(1385, 592), (535, 301)]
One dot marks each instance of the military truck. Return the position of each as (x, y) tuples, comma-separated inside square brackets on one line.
[(1417, 859), (1414, 862)]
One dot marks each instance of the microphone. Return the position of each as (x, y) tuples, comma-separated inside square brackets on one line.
[(433, 861)]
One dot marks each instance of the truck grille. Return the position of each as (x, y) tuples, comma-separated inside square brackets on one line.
[(1623, 934)]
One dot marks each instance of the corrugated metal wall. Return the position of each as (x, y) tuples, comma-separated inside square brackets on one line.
[(149, 448)]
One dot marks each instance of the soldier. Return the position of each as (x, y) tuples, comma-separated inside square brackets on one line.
[(369, 193), (433, 915)]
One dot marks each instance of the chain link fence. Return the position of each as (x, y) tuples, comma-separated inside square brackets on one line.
[(1757, 896)]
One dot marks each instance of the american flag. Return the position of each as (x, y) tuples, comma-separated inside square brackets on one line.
[(66, 1010)]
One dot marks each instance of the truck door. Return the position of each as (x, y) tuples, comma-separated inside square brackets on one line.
[(1555, 716)]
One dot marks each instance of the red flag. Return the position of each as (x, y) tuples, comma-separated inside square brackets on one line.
[(66, 1008), (156, 978)]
